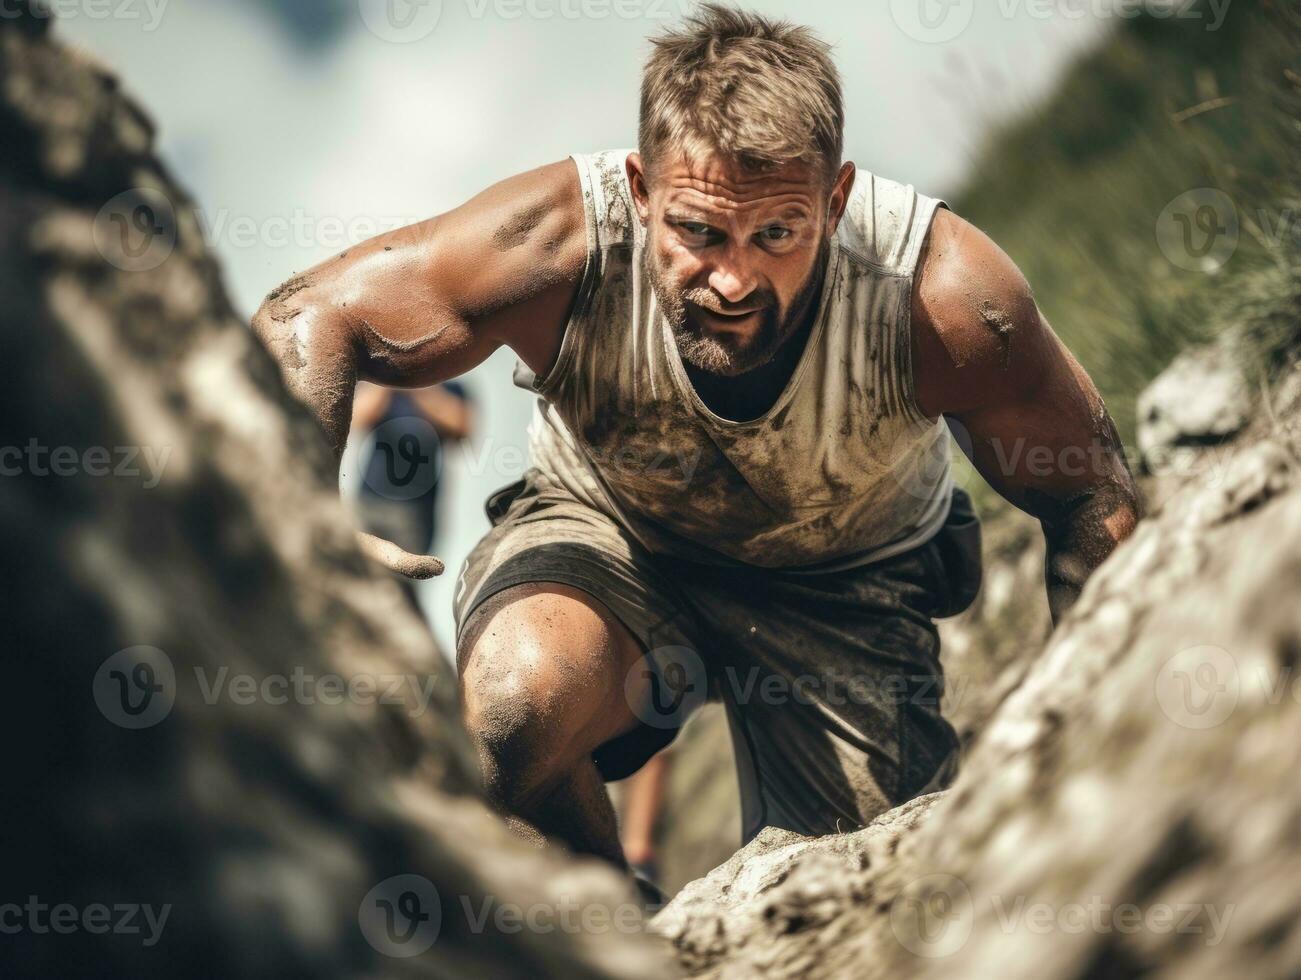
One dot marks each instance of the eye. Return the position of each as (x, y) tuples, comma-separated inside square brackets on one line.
[(775, 233), (697, 234)]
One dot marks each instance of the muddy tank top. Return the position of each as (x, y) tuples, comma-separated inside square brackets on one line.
[(842, 470)]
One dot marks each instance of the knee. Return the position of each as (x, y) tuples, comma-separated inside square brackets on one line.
[(541, 686), (517, 709), (513, 726)]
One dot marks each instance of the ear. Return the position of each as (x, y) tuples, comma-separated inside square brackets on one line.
[(839, 198), (637, 184)]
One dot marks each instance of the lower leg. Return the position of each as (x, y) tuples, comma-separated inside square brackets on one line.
[(542, 669), (642, 803), (577, 811)]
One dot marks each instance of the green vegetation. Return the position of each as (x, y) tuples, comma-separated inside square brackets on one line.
[(1076, 190)]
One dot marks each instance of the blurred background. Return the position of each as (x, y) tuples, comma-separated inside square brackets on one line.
[(301, 126)]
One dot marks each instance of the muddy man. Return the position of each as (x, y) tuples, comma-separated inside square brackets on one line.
[(747, 357)]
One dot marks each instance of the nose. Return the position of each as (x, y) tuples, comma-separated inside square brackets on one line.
[(731, 277)]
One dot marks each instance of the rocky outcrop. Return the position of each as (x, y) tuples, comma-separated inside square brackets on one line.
[(776, 905), (1201, 400), (1131, 807), (232, 749), (987, 650)]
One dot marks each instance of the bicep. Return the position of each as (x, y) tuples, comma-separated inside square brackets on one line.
[(430, 301), (1023, 409)]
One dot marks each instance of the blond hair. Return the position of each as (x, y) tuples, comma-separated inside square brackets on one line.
[(760, 92)]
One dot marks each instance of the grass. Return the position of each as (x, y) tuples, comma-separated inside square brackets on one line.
[(1075, 189)]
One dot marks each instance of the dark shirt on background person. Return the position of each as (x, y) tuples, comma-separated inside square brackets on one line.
[(402, 434)]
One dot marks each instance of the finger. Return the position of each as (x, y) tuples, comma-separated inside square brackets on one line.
[(396, 560)]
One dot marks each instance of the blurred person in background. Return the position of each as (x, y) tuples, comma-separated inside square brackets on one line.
[(641, 804), (402, 435)]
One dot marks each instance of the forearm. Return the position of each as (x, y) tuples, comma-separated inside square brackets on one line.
[(1081, 534)]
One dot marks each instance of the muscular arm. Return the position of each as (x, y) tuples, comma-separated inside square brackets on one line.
[(425, 303), (1026, 413)]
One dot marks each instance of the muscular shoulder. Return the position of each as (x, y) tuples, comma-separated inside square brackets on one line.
[(440, 295), (976, 329), (520, 237)]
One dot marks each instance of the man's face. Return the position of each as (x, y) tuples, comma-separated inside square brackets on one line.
[(736, 258)]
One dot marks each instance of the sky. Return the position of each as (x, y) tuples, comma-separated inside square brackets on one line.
[(304, 126)]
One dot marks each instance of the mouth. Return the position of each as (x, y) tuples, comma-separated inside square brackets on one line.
[(733, 321)]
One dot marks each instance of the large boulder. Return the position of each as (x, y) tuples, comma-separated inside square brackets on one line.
[(232, 749), (1130, 808)]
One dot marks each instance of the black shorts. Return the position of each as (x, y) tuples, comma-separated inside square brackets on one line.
[(832, 681)]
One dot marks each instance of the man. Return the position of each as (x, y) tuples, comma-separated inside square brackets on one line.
[(746, 353)]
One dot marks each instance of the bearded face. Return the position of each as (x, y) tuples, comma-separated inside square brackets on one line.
[(692, 314), (735, 257)]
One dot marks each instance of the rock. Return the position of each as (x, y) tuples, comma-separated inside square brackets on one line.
[(987, 650), (1130, 808), (771, 901), (1201, 400), (218, 707)]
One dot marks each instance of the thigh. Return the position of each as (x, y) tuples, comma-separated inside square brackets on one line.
[(546, 661), (543, 537), (832, 684)]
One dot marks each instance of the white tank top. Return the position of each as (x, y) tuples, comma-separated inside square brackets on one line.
[(843, 469)]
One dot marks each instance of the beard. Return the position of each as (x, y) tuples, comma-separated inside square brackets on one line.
[(728, 355)]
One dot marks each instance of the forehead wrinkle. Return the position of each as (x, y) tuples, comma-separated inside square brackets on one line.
[(789, 205)]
